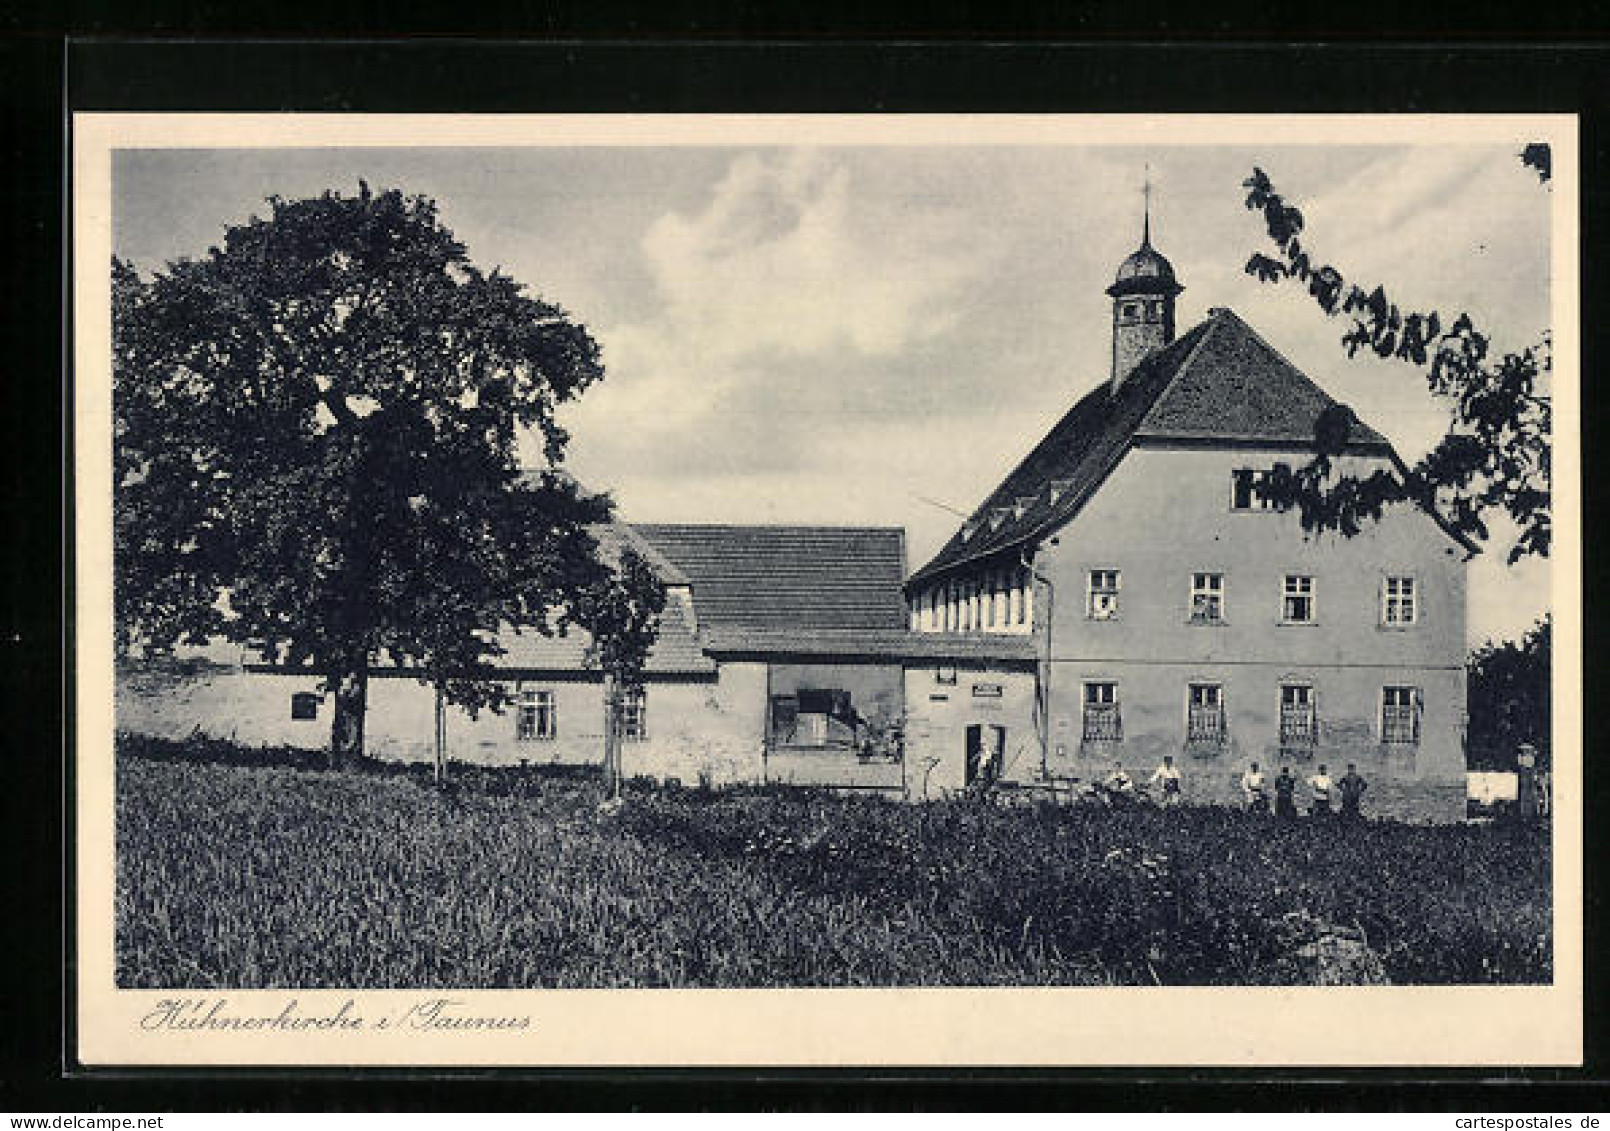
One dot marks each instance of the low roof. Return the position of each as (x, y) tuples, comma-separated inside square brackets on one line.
[(613, 536), (1219, 383), (893, 645), (795, 578), (676, 651)]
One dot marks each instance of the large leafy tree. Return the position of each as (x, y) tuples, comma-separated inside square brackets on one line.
[(316, 429), (1510, 684), (1494, 457)]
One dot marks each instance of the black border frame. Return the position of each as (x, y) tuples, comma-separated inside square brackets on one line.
[(805, 73)]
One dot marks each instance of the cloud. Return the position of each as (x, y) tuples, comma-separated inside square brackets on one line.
[(783, 263)]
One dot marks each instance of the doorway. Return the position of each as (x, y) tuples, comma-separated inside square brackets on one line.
[(986, 749)]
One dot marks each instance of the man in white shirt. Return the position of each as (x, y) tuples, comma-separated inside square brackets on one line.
[(1322, 785), (1167, 776), (1252, 785)]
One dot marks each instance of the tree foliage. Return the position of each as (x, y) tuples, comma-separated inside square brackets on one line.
[(1509, 696), (1494, 457), (316, 430)]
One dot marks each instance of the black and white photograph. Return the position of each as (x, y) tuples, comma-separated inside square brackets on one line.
[(1081, 562)]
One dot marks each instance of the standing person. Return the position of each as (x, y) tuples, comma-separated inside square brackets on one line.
[(1285, 795), (1526, 779), (1119, 785), (1168, 777), (1352, 787), (1322, 785), (1252, 787)]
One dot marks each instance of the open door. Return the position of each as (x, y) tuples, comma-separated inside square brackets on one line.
[(986, 750)]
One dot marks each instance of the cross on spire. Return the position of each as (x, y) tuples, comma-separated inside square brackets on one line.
[(1146, 192)]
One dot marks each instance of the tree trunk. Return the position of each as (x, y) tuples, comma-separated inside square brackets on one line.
[(441, 736), (346, 730), (612, 746)]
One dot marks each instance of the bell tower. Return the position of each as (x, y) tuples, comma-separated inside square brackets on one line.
[(1142, 302)]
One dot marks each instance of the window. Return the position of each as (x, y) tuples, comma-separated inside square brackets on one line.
[(1101, 598), (946, 676), (1204, 715), (1246, 489), (1297, 600), (1298, 729), (1400, 716), (634, 714), (1244, 484), (1131, 309), (536, 718), (304, 706), (1102, 722), (1398, 607), (1207, 598)]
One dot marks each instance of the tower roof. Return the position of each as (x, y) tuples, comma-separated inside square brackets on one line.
[(1145, 271)]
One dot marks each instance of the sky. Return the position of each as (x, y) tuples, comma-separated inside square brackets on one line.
[(878, 334)]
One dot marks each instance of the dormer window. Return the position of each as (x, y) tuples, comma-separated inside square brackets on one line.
[(1025, 503)]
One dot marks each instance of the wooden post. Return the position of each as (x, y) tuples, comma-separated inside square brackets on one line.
[(441, 735)]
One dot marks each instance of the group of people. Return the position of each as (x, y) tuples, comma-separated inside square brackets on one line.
[(1349, 789), (1323, 789)]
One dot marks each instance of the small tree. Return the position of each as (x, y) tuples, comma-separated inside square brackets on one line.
[(1509, 694), (622, 611), (315, 449), (1495, 454)]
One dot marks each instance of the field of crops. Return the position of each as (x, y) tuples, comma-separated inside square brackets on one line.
[(240, 870)]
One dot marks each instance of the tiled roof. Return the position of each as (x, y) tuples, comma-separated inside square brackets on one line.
[(612, 536), (887, 644), (793, 578), (675, 652), (1238, 386), (1219, 382)]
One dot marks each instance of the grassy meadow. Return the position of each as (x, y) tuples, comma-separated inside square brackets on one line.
[(243, 869)]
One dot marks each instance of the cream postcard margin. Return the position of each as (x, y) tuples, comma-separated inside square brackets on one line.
[(1149, 1026)]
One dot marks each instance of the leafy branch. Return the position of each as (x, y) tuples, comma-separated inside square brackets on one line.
[(1494, 456)]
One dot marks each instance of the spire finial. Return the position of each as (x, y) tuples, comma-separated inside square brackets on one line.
[(1146, 229)]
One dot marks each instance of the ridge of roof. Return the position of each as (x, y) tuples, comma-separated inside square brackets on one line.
[(1219, 383)]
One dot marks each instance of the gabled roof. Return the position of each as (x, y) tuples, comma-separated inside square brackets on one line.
[(788, 577), (1219, 383), (613, 536), (676, 651)]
